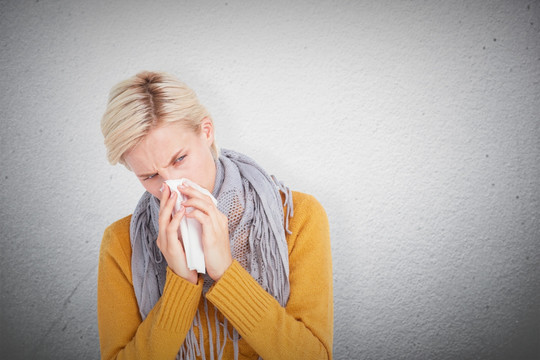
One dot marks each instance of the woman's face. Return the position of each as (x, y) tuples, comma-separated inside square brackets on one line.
[(171, 151)]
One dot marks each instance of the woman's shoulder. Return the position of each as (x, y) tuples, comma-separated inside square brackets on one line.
[(308, 217), (119, 227), (310, 231), (301, 199), (306, 206), (116, 236)]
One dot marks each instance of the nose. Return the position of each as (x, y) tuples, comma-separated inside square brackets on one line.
[(164, 177), (169, 173), (165, 174)]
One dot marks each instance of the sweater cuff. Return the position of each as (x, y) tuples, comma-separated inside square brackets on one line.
[(240, 298), (179, 302)]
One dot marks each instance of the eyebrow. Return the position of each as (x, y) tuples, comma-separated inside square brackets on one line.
[(173, 159)]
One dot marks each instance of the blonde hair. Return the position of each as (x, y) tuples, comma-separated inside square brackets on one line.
[(142, 102)]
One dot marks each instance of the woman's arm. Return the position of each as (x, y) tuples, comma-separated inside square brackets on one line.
[(304, 328), (122, 333)]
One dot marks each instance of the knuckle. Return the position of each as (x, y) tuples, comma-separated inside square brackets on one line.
[(204, 220)]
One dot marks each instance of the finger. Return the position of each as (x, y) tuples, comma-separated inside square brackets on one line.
[(175, 222), (166, 212), (200, 216), (172, 228), (214, 228), (193, 193), (165, 193), (200, 204)]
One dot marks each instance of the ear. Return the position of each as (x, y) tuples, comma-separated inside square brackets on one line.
[(207, 130)]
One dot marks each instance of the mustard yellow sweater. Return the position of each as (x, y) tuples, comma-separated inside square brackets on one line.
[(301, 330)]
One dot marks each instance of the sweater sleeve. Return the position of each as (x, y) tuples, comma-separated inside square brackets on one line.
[(304, 328), (122, 333)]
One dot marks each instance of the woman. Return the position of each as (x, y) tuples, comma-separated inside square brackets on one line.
[(267, 291)]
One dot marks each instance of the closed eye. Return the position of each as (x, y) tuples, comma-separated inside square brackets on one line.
[(149, 177)]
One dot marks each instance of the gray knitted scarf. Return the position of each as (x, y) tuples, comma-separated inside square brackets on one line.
[(250, 199)]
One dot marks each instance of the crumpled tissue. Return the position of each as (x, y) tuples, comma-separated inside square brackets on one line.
[(190, 228)]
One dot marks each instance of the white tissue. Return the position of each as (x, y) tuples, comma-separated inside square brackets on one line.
[(190, 228)]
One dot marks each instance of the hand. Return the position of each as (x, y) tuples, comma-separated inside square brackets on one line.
[(167, 241), (215, 230)]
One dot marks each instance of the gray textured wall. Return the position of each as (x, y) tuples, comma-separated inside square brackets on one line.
[(415, 123)]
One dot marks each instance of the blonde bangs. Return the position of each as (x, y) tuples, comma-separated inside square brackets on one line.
[(138, 104)]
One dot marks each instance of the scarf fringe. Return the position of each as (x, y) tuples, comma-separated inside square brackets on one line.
[(288, 201), (191, 348)]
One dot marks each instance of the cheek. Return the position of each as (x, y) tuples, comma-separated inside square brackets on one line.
[(200, 169), (152, 187), (156, 194), (205, 170)]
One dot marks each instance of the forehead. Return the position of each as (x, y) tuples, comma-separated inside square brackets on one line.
[(157, 147), (167, 133)]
